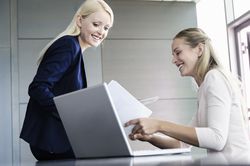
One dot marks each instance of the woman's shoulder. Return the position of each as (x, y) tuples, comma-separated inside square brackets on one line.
[(67, 41), (215, 77), (218, 79), (214, 74)]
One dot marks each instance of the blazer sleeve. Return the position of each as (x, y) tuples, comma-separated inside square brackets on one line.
[(55, 63)]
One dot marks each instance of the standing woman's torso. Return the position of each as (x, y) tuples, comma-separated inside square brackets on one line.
[(60, 71)]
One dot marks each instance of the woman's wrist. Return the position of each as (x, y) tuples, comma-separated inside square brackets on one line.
[(151, 138), (159, 126)]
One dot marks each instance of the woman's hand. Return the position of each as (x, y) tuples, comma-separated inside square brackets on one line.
[(141, 137), (143, 128)]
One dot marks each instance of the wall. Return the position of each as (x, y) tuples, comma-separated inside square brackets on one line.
[(5, 83), (136, 53), (214, 24)]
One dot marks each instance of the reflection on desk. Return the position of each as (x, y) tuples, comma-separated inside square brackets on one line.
[(194, 158), (219, 158), (125, 161)]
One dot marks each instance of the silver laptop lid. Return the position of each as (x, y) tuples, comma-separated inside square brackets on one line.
[(91, 123)]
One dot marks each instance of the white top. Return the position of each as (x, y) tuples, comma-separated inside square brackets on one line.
[(219, 122)]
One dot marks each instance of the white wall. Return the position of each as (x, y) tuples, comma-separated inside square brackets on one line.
[(211, 18)]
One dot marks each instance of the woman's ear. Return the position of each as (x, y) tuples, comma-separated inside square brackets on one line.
[(79, 21), (201, 48)]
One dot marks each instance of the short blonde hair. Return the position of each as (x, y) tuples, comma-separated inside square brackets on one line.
[(88, 7)]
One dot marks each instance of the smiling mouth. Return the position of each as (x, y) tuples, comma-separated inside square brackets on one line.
[(96, 37)]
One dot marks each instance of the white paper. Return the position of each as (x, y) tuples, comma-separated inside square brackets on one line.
[(127, 106)]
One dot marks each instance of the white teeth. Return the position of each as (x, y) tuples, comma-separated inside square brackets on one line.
[(96, 37), (180, 67)]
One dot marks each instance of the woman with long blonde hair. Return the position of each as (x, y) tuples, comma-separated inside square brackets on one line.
[(221, 122), (61, 70)]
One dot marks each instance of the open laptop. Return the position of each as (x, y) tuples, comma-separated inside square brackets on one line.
[(94, 127)]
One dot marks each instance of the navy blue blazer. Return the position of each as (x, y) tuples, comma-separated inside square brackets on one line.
[(61, 71)]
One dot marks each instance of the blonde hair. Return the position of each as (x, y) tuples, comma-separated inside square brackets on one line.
[(209, 60), (88, 7)]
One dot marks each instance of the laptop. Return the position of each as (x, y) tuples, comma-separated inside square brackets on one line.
[(93, 126)]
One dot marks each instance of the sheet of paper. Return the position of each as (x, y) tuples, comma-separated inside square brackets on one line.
[(127, 106)]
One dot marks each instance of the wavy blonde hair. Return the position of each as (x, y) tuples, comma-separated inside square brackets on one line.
[(88, 7), (209, 60)]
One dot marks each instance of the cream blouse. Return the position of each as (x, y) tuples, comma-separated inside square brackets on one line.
[(219, 123)]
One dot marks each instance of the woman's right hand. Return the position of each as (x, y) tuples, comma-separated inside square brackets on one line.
[(141, 137)]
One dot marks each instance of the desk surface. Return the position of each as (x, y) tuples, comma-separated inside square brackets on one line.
[(196, 157)]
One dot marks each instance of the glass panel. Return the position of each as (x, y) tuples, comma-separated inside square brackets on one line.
[(243, 38), (241, 7)]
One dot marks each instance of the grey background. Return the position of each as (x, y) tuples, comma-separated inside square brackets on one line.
[(136, 53)]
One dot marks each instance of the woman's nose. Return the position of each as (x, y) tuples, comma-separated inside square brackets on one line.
[(101, 30), (174, 60)]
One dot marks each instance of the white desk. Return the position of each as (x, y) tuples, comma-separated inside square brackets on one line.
[(196, 157)]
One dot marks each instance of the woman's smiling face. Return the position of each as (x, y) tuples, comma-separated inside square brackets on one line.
[(94, 28), (184, 57)]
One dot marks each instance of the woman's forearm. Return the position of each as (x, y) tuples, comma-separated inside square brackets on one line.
[(164, 142), (179, 132)]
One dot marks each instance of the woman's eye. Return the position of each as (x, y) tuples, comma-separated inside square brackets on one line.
[(178, 53), (96, 24), (106, 28)]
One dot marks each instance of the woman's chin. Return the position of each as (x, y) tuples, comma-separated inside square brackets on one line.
[(183, 74), (95, 43)]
